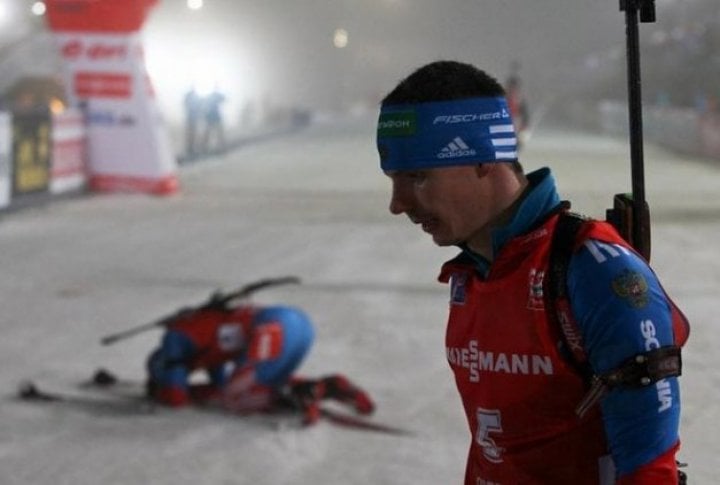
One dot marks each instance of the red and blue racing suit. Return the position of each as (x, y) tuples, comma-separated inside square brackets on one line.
[(269, 342), (518, 389)]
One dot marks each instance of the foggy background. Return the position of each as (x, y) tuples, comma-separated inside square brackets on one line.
[(88, 266), (339, 55)]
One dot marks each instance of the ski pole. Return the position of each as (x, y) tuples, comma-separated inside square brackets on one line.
[(122, 335)]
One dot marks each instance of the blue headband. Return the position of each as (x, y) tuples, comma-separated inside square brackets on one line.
[(445, 133)]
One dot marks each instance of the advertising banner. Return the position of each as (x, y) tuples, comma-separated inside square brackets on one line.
[(5, 165), (67, 155), (128, 145), (30, 152)]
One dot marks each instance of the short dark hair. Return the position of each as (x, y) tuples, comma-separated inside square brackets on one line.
[(444, 81)]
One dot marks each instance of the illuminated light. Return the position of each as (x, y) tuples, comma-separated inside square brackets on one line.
[(340, 38), (4, 13), (56, 106), (204, 60), (205, 67), (38, 8), (206, 74), (195, 4)]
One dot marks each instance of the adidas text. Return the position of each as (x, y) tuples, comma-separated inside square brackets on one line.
[(458, 153)]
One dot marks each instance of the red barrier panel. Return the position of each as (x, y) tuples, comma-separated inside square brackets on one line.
[(67, 157)]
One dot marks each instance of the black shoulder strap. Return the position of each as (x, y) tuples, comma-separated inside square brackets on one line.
[(561, 250)]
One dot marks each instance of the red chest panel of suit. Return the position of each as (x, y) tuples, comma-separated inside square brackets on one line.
[(217, 335), (518, 392)]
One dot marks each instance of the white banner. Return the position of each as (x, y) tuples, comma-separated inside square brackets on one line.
[(128, 145)]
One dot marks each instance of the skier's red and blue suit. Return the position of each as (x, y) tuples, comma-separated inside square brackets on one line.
[(269, 341), (520, 392)]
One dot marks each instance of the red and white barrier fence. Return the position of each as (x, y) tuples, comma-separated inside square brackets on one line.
[(68, 167)]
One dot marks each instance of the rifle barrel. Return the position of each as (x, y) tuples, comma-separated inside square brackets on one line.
[(641, 217)]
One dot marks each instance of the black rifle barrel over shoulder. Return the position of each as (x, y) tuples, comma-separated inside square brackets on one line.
[(631, 214)]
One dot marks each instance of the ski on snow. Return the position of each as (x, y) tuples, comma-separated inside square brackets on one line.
[(105, 394), (99, 405)]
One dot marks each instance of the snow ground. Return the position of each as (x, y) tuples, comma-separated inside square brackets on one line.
[(312, 204)]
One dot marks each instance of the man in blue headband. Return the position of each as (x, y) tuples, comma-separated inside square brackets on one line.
[(447, 143)]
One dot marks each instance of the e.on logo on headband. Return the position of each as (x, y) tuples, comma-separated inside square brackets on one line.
[(402, 123)]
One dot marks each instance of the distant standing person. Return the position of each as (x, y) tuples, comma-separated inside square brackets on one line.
[(214, 126), (193, 115), (517, 103)]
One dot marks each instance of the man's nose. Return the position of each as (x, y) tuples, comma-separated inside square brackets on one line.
[(400, 200)]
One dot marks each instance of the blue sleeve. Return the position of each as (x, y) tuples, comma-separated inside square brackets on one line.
[(622, 311), (169, 365)]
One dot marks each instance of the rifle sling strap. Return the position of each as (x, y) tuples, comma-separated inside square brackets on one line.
[(638, 371), (561, 251)]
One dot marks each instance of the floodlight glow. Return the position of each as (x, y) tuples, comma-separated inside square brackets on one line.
[(195, 4), (340, 38), (38, 8), (207, 75), (4, 13), (203, 58), (174, 76)]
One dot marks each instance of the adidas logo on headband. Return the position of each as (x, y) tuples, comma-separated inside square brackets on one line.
[(456, 148)]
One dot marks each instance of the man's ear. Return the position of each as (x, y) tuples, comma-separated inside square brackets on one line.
[(482, 169)]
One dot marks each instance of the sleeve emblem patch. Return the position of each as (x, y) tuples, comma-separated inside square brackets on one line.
[(632, 287)]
